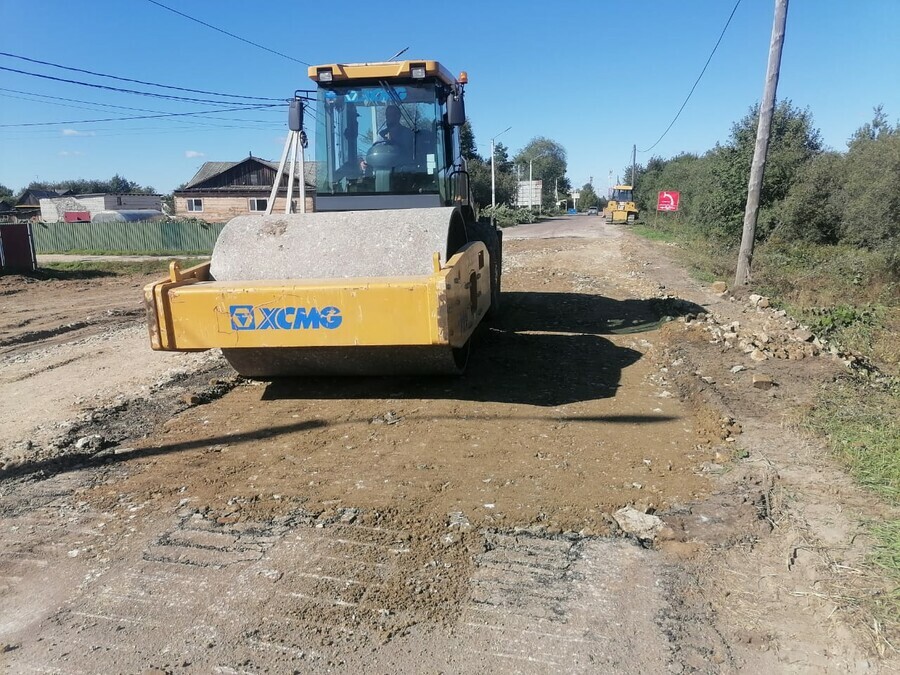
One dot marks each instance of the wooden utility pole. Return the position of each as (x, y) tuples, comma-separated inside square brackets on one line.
[(758, 168), (633, 162)]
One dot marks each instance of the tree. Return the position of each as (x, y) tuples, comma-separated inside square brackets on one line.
[(872, 174), (6, 194), (93, 185), (480, 183), (548, 163), (467, 145), (794, 142), (587, 198), (814, 207), (871, 131), (502, 162)]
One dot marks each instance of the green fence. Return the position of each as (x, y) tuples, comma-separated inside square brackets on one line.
[(163, 236)]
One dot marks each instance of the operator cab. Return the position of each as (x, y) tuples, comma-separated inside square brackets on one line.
[(387, 136), (621, 193)]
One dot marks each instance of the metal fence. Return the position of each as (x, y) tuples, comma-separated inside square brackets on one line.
[(164, 236)]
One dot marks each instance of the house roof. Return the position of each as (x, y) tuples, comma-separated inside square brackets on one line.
[(113, 194), (32, 197), (207, 171), (213, 169)]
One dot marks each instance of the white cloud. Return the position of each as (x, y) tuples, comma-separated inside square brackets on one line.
[(67, 153), (193, 153), (75, 132)]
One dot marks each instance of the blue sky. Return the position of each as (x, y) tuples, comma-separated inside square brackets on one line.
[(596, 76)]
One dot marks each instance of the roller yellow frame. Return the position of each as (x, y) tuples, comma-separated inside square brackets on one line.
[(188, 311), (391, 70)]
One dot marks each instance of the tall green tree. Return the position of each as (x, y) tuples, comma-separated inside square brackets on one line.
[(480, 184), (815, 205), (548, 163), (502, 162), (872, 187), (467, 146), (587, 197), (794, 142), (6, 194)]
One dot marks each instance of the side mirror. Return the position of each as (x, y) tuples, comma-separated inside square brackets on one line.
[(295, 115), (456, 108)]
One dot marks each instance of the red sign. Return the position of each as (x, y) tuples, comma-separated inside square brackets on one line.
[(77, 216), (668, 201)]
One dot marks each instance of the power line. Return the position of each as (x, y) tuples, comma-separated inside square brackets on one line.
[(136, 117), (169, 97), (128, 79), (95, 104), (30, 134), (690, 93), (225, 32), (252, 123)]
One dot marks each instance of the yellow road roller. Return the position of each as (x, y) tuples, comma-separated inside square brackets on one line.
[(390, 273)]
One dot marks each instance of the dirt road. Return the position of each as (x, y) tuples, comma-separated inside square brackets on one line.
[(159, 513)]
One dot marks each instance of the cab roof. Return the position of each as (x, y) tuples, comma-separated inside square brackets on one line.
[(381, 70)]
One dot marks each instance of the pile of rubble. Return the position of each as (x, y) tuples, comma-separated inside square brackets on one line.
[(768, 334)]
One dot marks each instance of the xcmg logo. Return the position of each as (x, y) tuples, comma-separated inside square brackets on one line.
[(248, 317)]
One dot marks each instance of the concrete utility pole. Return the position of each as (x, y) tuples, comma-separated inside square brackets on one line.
[(530, 187), (493, 180), (758, 168)]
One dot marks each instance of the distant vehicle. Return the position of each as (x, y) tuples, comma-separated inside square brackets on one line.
[(621, 207), (592, 211)]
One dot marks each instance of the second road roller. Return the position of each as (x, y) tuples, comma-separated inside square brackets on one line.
[(390, 273)]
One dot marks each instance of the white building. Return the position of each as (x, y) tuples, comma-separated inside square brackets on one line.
[(82, 208)]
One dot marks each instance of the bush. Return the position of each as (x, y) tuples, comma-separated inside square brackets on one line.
[(506, 216)]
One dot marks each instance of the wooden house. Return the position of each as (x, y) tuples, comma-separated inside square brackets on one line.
[(28, 205), (222, 190)]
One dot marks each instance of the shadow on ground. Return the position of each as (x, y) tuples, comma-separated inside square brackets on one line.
[(45, 468), (546, 349)]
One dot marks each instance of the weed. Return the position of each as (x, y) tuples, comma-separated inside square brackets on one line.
[(887, 550), (98, 268), (656, 234), (887, 557), (862, 425), (160, 253), (507, 216)]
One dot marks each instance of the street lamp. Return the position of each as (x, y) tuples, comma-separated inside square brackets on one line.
[(493, 179)]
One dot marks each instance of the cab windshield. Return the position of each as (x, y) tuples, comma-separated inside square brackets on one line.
[(621, 196), (379, 138)]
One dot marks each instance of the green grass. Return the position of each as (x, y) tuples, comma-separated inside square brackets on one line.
[(887, 550), (654, 233), (887, 556), (163, 254), (705, 260), (849, 295), (862, 425), (99, 268)]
